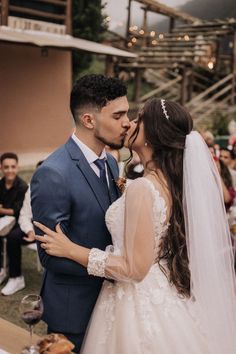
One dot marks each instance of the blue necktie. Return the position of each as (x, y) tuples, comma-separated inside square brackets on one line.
[(100, 163)]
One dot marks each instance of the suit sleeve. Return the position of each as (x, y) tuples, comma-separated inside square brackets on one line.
[(50, 201)]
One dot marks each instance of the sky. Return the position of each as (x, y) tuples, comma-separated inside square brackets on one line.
[(117, 10)]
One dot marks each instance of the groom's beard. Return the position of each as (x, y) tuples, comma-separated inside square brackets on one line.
[(112, 145)]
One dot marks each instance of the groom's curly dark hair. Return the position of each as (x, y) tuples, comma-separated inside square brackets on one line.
[(95, 91)]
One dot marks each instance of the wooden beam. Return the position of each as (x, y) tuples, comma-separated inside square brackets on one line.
[(128, 22), (144, 27), (25, 10), (184, 87), (62, 3), (137, 85), (109, 67), (68, 20), (234, 69), (171, 24), (4, 12)]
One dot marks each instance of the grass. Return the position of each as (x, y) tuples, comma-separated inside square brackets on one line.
[(9, 305)]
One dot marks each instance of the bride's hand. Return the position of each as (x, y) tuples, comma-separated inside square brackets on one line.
[(55, 243)]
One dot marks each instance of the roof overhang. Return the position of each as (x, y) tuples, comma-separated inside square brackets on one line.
[(43, 39)]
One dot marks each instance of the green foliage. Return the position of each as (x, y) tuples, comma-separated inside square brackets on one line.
[(97, 66), (88, 23), (220, 124), (217, 123)]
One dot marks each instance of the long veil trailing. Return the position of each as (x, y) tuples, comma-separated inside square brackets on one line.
[(213, 285)]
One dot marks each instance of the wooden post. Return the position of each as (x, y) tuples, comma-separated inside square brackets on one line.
[(145, 25), (137, 85), (217, 55), (190, 84), (109, 68), (184, 87), (4, 12), (233, 98), (128, 23), (171, 24), (68, 22)]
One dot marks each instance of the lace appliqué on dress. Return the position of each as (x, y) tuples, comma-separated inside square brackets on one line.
[(97, 262)]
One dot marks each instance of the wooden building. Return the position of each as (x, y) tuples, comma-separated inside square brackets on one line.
[(36, 75), (194, 63)]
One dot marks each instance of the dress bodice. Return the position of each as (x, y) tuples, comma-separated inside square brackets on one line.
[(116, 213)]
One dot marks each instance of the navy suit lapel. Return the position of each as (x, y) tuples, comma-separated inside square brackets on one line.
[(90, 176)]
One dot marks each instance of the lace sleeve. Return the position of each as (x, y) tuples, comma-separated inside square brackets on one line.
[(97, 262), (138, 253)]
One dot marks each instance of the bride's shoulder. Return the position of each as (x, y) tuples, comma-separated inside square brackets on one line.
[(138, 185)]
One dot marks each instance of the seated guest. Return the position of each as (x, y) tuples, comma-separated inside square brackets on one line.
[(21, 235), (12, 193)]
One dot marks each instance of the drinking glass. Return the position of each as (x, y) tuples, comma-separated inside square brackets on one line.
[(31, 310)]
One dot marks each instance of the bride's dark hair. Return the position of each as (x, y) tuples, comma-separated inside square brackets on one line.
[(167, 137)]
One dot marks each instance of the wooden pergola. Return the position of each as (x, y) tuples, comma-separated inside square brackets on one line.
[(159, 8)]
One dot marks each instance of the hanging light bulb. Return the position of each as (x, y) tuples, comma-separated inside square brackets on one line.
[(152, 33)]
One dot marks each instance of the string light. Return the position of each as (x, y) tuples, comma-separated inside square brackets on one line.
[(134, 40), (186, 37), (135, 28), (154, 42), (210, 65), (161, 36), (129, 44), (152, 33), (141, 32), (179, 38)]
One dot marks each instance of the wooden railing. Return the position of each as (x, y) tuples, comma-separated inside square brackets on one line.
[(219, 95), (54, 11)]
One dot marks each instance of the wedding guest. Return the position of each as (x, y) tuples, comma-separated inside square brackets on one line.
[(22, 234), (12, 192), (228, 157)]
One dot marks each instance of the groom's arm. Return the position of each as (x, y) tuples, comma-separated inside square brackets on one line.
[(50, 202)]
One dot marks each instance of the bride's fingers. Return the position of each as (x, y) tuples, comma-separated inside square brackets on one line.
[(44, 228), (58, 229), (43, 239)]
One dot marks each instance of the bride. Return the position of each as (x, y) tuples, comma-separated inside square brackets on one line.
[(171, 259)]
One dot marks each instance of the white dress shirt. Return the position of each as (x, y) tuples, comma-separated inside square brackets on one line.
[(26, 216)]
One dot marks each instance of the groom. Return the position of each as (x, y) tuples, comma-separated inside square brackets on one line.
[(74, 187)]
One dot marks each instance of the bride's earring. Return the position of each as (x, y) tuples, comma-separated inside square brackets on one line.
[(146, 144)]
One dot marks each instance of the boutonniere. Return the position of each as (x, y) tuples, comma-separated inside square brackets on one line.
[(121, 184)]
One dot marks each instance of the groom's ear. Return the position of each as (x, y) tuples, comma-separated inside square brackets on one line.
[(87, 120)]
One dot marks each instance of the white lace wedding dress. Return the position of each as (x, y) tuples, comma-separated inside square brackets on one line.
[(140, 312)]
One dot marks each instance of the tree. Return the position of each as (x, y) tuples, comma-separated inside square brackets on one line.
[(88, 23)]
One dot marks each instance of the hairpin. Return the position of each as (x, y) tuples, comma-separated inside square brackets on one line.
[(163, 106)]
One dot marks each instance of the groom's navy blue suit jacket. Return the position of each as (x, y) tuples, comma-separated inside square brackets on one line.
[(66, 190)]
